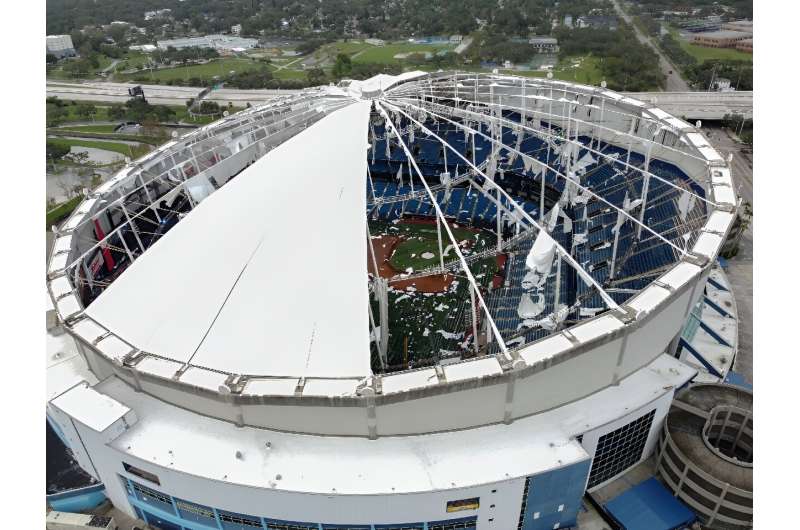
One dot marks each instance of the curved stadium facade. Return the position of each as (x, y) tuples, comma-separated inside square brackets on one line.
[(428, 301)]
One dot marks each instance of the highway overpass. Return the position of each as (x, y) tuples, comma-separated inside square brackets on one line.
[(689, 105), (700, 105)]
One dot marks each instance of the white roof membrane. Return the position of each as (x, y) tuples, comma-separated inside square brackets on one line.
[(268, 274)]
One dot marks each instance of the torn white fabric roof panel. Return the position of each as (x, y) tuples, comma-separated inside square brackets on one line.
[(217, 288), (540, 258)]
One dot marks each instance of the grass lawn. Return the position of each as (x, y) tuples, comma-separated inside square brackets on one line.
[(60, 212), (702, 54), (414, 318), (421, 239), (216, 67), (123, 149), (586, 72), (289, 73), (89, 128), (57, 72), (385, 54), (360, 52)]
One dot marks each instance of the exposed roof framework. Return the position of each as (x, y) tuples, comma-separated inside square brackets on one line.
[(147, 199)]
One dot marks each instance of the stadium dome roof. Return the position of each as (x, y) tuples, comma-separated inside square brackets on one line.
[(262, 289)]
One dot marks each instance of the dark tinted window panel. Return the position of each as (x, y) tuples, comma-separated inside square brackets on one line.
[(288, 525), (238, 521), (196, 512), (524, 505), (157, 522), (153, 497), (620, 449), (141, 473), (467, 523)]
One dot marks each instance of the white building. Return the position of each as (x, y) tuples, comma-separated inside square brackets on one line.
[(145, 48), (159, 13), (236, 29), (544, 44), (219, 42), (60, 46), (456, 39), (375, 42), (244, 393)]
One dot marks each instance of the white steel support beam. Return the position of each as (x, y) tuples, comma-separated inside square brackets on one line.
[(559, 249), (596, 151), (558, 173), (440, 214)]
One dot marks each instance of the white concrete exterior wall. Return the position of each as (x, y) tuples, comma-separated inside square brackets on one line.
[(506, 496)]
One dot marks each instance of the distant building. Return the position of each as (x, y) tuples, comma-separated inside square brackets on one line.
[(720, 39), (597, 22), (745, 45), (159, 13), (722, 84), (694, 25), (236, 29), (375, 42), (508, 65), (568, 21), (738, 25), (119, 23), (60, 46), (456, 39), (145, 48), (223, 43), (544, 44)]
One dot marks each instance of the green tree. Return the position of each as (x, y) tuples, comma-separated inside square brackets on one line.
[(316, 76), (56, 151), (85, 110), (343, 66)]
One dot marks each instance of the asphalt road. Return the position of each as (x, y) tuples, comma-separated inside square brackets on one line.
[(675, 83)]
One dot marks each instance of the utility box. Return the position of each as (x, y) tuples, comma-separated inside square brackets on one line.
[(74, 521)]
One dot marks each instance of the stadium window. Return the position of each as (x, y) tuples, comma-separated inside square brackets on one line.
[(286, 525), (472, 503), (238, 521), (153, 497), (468, 523), (195, 512), (401, 526), (141, 473)]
